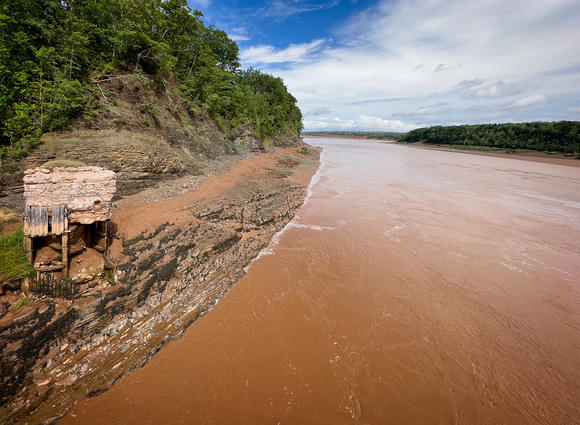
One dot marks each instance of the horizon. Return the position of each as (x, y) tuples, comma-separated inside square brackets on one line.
[(387, 65), (406, 131)]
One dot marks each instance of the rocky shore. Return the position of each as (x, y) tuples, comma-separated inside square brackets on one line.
[(176, 249)]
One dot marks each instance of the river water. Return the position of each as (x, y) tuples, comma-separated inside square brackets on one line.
[(415, 286)]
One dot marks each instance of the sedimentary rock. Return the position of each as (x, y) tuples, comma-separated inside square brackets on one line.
[(87, 192)]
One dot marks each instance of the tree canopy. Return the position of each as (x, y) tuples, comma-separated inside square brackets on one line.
[(563, 136), (51, 50)]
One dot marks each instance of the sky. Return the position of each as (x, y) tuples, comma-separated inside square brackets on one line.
[(396, 65)]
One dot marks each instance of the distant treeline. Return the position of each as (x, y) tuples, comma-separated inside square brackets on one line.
[(379, 135), (563, 136)]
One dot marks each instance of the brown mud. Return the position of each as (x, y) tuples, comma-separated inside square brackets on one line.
[(414, 287), (176, 249)]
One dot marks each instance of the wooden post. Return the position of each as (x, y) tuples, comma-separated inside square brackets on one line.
[(65, 253), (27, 246), (99, 231), (88, 235), (27, 242), (106, 231)]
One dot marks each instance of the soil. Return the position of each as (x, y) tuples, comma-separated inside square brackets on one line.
[(9, 228), (176, 248)]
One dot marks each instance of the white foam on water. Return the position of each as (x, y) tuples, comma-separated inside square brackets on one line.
[(270, 249)]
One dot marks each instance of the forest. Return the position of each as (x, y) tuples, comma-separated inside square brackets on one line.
[(562, 137), (53, 53), (552, 137)]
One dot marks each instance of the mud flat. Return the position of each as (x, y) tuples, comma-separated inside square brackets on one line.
[(535, 156), (176, 250)]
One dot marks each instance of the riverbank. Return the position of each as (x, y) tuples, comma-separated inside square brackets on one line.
[(176, 249), (535, 156)]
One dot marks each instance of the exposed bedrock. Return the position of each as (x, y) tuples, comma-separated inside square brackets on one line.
[(70, 349)]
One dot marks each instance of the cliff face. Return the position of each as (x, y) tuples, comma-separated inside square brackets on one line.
[(176, 250), (161, 274), (145, 135)]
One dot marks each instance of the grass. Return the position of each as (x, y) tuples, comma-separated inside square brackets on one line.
[(21, 302), (8, 216), (13, 263), (63, 163)]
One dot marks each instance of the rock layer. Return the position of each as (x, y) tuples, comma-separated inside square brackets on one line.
[(87, 192), (69, 349)]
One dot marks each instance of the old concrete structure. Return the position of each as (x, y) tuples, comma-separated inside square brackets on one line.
[(60, 204)]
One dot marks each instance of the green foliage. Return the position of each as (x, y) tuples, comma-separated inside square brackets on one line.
[(13, 262), (557, 137), (473, 148), (529, 150), (20, 303), (53, 52), (267, 104)]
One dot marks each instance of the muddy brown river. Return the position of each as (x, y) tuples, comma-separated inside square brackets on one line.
[(415, 286)]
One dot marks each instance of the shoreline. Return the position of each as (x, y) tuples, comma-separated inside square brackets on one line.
[(535, 156), (177, 249)]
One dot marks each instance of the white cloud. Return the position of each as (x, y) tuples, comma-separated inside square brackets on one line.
[(437, 62), (530, 100), (281, 9), (360, 123), (199, 4), (430, 110), (498, 90), (324, 110), (268, 54), (444, 67), (237, 37), (468, 84)]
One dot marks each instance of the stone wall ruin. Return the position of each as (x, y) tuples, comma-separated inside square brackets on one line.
[(66, 214)]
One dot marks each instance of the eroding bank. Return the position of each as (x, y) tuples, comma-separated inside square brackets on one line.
[(177, 249)]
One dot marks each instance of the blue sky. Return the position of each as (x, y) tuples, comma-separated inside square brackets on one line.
[(395, 65)]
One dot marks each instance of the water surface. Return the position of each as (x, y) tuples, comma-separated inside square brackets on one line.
[(414, 287)]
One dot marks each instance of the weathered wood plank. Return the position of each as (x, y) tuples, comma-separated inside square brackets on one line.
[(59, 220), (35, 221)]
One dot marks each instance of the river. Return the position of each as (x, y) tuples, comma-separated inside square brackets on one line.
[(415, 286)]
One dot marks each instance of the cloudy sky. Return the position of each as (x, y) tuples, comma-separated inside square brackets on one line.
[(395, 65)]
